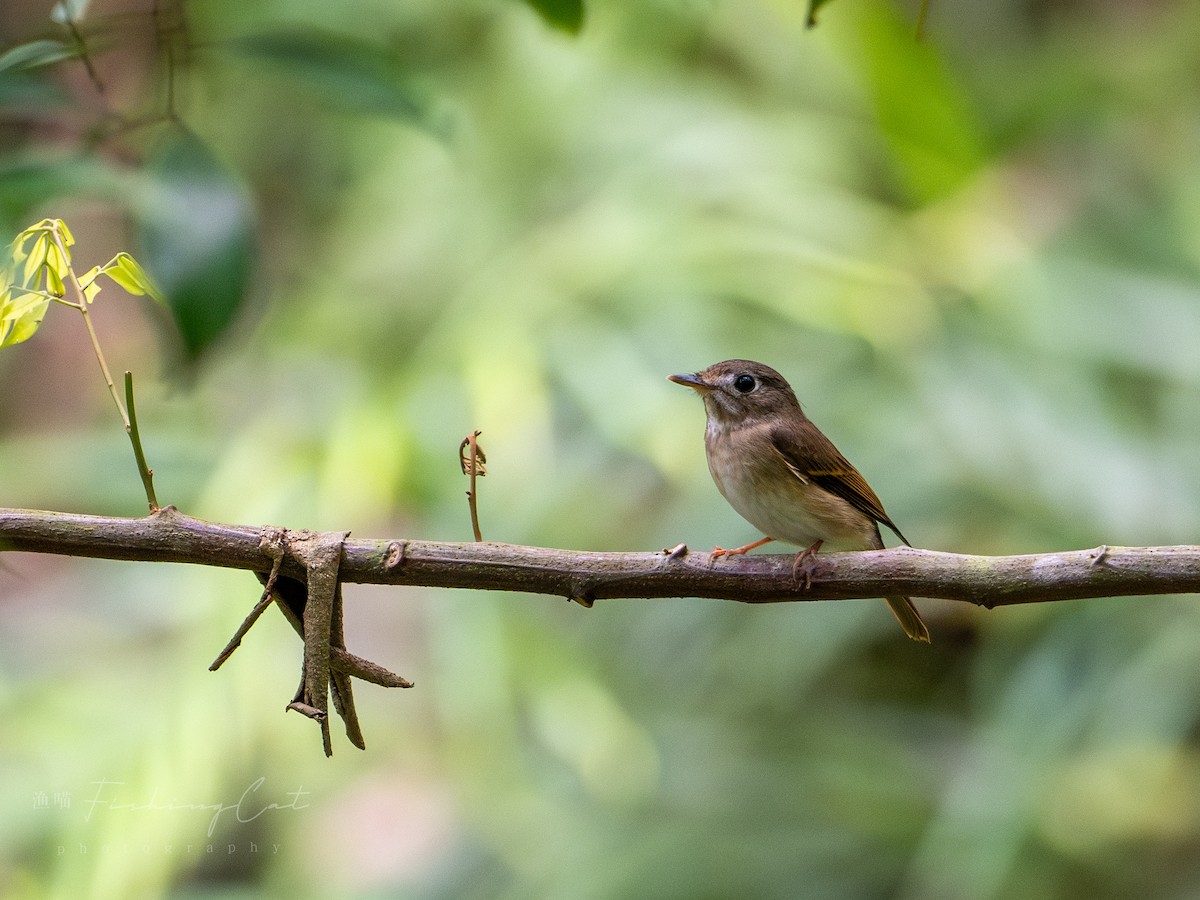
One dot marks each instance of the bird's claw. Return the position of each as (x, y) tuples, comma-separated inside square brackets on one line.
[(721, 551), (804, 565)]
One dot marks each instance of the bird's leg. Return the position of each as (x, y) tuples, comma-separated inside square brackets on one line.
[(737, 551), (805, 563)]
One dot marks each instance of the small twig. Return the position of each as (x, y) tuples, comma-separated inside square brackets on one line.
[(83, 52), (472, 464), (313, 713), (166, 34), (342, 660), (321, 554), (248, 623), (291, 597), (339, 682), (134, 438)]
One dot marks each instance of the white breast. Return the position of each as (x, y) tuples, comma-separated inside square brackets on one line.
[(780, 504)]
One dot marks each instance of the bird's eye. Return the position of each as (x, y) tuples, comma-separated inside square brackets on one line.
[(744, 384)]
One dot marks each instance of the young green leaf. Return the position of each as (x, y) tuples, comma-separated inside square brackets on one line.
[(17, 251), (57, 270), (20, 316), (88, 283), (35, 259), (54, 281), (126, 272), (24, 239), (67, 237), (35, 54)]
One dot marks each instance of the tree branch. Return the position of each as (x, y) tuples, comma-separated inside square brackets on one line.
[(170, 536)]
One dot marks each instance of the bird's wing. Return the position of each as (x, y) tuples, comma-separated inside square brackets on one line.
[(814, 459)]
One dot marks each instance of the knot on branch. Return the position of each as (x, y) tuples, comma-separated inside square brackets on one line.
[(314, 609), (393, 558), (582, 593)]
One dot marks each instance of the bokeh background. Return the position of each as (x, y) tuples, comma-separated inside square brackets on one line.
[(381, 226)]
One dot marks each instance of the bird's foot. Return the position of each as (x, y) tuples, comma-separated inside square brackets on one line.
[(804, 564), (736, 551)]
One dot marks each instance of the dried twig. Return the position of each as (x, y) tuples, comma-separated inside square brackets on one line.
[(315, 612), (472, 460), (271, 543)]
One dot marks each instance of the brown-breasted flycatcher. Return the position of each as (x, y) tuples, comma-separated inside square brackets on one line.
[(783, 475)]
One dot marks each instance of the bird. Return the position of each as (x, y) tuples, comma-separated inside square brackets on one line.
[(784, 476)]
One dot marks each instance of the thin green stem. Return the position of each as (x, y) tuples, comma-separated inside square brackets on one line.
[(82, 306), (134, 438), (52, 297), (108, 379), (127, 417)]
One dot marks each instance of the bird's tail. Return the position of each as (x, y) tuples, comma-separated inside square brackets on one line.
[(908, 617)]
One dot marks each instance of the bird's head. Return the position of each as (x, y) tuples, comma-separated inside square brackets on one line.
[(741, 391)]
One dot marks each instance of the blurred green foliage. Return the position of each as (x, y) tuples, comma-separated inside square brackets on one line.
[(196, 228), (382, 226), (564, 14)]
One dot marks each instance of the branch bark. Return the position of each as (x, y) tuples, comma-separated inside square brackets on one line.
[(170, 536)]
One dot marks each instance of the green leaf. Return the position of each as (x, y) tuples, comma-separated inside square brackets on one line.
[(196, 235), (68, 238), (36, 54), (20, 317), (27, 180), (347, 73), (89, 284), (54, 277), (17, 253), (57, 268), (21, 304), (566, 15), (126, 272), (35, 257), (44, 253), (933, 129)]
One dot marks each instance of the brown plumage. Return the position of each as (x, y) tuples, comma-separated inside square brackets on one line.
[(783, 476)]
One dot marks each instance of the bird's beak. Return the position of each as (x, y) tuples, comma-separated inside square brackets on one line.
[(692, 381)]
